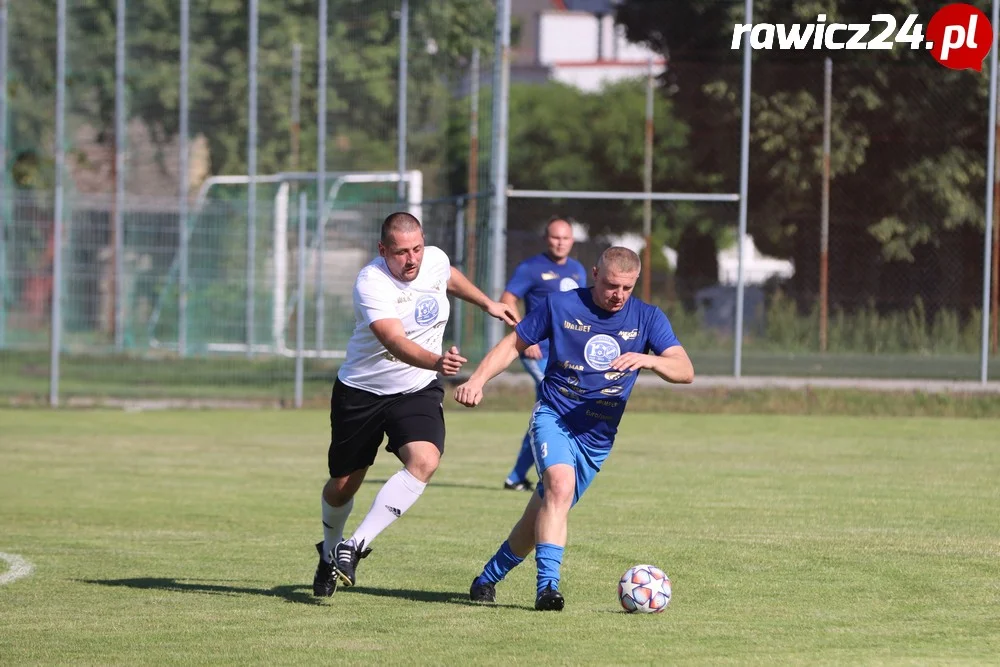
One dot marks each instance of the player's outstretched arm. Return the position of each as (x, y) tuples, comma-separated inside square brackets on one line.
[(391, 334), (499, 358), (673, 364), (462, 287)]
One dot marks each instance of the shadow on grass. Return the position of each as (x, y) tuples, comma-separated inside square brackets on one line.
[(427, 596), (455, 485), (293, 593), (300, 594)]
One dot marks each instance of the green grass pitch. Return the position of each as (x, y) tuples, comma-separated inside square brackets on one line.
[(180, 538)]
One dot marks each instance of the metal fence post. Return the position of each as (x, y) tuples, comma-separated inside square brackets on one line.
[(824, 232), (300, 315), (4, 200), (458, 259), (121, 130), (404, 34), (321, 172), (498, 157), (647, 183), (183, 177), (744, 178), (252, 173), (57, 223), (472, 203), (984, 367)]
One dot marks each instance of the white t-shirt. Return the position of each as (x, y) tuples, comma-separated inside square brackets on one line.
[(423, 307)]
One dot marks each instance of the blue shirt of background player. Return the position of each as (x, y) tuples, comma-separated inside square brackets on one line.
[(579, 383), (537, 277)]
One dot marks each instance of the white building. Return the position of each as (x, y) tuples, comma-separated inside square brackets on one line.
[(577, 47), (758, 268)]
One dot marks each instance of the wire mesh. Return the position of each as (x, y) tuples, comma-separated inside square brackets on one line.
[(143, 285), (906, 225)]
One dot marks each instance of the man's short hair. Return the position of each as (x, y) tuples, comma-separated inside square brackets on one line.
[(622, 260), (557, 218), (400, 221)]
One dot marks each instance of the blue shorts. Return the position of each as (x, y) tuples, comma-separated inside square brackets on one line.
[(553, 443)]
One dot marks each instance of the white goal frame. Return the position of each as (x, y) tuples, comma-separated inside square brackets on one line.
[(280, 310)]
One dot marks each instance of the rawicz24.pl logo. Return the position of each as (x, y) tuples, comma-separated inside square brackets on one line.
[(958, 35)]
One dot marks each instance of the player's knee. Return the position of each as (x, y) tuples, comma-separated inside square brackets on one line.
[(337, 495), (559, 489), (339, 490), (422, 465)]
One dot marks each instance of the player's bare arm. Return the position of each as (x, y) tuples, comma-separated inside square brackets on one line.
[(391, 334), (462, 287), (510, 301), (496, 361), (673, 364)]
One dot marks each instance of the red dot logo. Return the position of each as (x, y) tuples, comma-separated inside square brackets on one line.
[(959, 36)]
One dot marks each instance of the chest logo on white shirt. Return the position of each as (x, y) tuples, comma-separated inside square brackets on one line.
[(566, 284), (600, 351), (425, 311)]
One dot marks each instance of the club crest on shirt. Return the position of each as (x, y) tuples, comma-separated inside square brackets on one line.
[(600, 351), (566, 284), (425, 310)]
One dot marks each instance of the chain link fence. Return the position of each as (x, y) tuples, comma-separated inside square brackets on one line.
[(150, 310)]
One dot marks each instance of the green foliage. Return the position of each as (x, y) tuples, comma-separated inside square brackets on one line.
[(362, 74), (562, 138), (908, 135), (870, 331)]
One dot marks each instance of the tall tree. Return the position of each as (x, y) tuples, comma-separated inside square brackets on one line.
[(363, 75), (908, 140)]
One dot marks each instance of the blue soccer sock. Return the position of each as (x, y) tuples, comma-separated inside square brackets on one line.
[(525, 462), (548, 558), (503, 561)]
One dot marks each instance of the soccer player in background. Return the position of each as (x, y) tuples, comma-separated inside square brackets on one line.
[(599, 339), (533, 280), (389, 386)]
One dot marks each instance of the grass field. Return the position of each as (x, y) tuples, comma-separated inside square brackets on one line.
[(24, 376), (186, 538)]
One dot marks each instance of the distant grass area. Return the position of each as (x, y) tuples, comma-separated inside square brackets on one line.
[(24, 381), (849, 365), (185, 538), (846, 402)]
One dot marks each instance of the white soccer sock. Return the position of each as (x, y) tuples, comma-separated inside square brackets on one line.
[(395, 497), (334, 519)]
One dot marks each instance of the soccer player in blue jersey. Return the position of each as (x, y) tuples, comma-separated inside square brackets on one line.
[(599, 339), (533, 280)]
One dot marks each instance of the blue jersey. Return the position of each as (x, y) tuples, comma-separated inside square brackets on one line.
[(579, 382), (537, 277)]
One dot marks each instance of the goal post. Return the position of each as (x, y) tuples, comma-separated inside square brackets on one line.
[(282, 287)]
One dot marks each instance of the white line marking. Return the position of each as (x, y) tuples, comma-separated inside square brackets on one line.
[(18, 568)]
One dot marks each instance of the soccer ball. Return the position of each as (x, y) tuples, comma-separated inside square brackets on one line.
[(644, 589)]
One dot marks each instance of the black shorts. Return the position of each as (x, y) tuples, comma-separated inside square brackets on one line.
[(360, 419)]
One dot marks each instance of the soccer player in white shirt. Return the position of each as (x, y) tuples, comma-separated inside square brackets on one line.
[(389, 386)]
